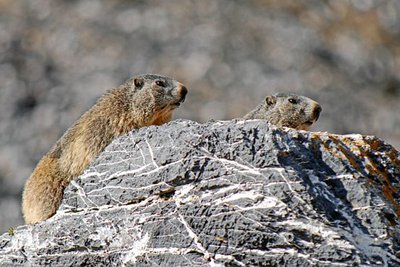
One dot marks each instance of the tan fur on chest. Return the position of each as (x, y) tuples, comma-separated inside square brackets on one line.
[(162, 117)]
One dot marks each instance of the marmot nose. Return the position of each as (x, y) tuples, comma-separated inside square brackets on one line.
[(182, 90), (317, 111)]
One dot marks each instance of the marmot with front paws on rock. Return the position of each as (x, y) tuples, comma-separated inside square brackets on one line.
[(141, 101)]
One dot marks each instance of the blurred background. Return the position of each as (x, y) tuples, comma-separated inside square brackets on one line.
[(57, 57)]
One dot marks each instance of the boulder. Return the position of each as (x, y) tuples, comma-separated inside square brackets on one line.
[(237, 193)]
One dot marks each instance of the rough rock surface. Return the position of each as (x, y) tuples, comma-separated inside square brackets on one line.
[(58, 56), (227, 192)]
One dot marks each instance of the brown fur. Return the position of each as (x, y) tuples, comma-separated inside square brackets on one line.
[(137, 103), (287, 110)]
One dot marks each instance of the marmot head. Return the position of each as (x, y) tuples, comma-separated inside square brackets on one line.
[(154, 97), (290, 110)]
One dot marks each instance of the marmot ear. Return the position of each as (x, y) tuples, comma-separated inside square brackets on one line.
[(270, 100), (138, 82)]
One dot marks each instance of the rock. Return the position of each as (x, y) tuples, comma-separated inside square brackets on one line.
[(231, 54), (224, 193)]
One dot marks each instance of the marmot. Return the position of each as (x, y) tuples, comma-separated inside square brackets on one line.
[(287, 110), (141, 101)]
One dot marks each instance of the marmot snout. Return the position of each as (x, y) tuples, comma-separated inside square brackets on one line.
[(287, 110)]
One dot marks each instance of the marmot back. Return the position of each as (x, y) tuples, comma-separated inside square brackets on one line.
[(287, 110), (141, 101)]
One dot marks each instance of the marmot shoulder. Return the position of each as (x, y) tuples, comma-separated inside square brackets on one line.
[(141, 101), (287, 110)]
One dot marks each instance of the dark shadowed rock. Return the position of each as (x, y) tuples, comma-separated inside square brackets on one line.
[(224, 193)]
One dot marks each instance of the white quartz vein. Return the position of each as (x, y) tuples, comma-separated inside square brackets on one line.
[(151, 153), (195, 239)]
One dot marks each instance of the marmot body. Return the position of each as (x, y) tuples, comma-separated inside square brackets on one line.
[(141, 101), (287, 110)]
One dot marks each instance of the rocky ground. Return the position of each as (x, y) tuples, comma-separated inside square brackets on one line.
[(56, 57), (226, 193)]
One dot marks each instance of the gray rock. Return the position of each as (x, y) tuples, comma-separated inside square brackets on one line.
[(224, 193), (230, 54)]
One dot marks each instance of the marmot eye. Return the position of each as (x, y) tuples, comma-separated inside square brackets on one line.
[(160, 83), (293, 101)]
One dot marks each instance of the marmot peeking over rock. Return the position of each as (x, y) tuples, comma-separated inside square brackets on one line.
[(141, 101), (287, 110)]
